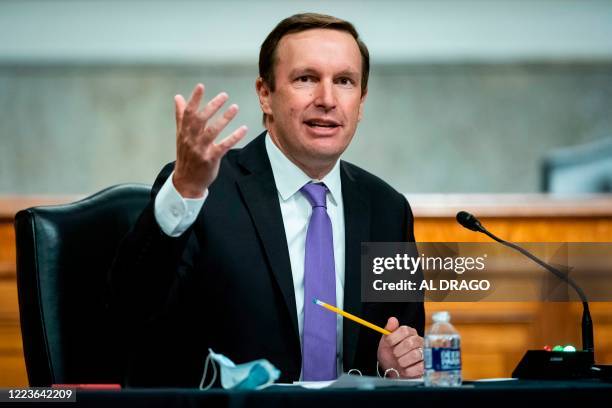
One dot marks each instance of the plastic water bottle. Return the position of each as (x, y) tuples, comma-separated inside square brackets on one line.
[(442, 353)]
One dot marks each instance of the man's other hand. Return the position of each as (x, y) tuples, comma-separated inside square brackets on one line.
[(401, 350), (197, 154)]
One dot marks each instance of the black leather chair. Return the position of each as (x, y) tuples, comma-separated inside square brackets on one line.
[(63, 256)]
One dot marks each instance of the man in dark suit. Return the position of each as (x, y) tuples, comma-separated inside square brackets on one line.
[(235, 243)]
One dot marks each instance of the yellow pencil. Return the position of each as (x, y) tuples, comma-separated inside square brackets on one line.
[(352, 317)]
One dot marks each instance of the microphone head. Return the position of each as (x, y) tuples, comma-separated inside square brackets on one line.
[(468, 221)]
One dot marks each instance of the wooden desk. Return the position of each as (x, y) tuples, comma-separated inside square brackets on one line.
[(494, 335)]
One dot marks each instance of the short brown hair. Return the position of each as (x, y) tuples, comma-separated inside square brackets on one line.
[(302, 22)]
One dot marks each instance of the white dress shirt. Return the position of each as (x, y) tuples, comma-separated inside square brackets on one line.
[(175, 214)]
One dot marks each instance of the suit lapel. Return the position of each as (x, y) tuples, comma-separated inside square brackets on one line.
[(261, 198), (357, 230)]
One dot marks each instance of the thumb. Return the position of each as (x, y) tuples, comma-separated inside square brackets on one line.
[(392, 324)]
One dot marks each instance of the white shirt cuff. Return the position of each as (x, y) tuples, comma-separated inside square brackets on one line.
[(173, 213)]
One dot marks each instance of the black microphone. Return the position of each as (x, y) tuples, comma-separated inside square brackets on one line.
[(470, 222)]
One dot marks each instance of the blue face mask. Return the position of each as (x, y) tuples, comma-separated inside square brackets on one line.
[(253, 375)]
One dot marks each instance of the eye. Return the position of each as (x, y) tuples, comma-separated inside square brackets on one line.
[(304, 78), (305, 81), (345, 81)]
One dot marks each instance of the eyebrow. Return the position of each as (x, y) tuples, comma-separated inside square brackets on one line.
[(310, 71), (302, 71), (349, 73)]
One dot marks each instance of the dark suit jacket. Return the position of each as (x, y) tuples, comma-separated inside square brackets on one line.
[(227, 284)]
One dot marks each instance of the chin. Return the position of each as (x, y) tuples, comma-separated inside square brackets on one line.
[(325, 150)]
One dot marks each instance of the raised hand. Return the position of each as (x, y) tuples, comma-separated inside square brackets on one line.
[(197, 154)]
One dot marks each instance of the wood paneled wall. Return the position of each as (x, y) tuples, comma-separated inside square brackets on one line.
[(494, 334), (12, 366)]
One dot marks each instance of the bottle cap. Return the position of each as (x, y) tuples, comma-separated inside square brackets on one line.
[(441, 317)]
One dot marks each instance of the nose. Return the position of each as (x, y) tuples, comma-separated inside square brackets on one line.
[(325, 98)]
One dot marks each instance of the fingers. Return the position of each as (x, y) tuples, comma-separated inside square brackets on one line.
[(194, 100), (213, 106), (193, 124), (212, 131), (399, 334), (231, 140), (410, 358), (407, 348), (414, 371), (192, 107), (407, 345), (179, 110)]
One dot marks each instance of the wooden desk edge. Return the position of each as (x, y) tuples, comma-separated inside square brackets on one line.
[(423, 205)]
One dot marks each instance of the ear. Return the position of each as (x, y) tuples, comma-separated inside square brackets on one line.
[(361, 104), (263, 92)]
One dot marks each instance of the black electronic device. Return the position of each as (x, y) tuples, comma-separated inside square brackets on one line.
[(555, 365)]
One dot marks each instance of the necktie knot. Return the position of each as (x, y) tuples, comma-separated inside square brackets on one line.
[(316, 194)]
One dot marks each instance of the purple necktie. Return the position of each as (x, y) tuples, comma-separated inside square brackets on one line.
[(319, 343)]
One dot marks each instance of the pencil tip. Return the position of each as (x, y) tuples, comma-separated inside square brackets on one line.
[(315, 301)]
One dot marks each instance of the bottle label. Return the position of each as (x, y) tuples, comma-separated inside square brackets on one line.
[(443, 359)]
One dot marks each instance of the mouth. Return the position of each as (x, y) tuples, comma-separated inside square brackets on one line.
[(322, 124)]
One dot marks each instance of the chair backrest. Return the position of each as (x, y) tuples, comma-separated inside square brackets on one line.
[(579, 169), (64, 253)]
